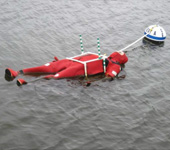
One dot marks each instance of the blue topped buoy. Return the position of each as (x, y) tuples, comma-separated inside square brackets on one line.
[(155, 33)]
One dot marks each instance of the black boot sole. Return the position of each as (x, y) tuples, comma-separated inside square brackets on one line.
[(8, 75)]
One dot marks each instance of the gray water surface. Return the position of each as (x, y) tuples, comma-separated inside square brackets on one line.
[(129, 114)]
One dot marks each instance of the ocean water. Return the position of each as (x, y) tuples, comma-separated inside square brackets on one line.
[(128, 114)]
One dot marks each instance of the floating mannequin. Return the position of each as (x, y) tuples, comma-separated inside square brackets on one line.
[(86, 65)]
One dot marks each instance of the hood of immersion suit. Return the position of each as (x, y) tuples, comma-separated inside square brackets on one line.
[(118, 57)]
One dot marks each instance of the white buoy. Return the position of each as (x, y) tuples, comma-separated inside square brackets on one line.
[(155, 33)]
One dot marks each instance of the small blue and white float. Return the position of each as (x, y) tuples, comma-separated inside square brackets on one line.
[(155, 33)]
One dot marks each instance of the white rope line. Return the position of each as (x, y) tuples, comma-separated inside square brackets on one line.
[(133, 43), (136, 41)]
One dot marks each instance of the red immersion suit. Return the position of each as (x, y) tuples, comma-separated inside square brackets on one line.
[(71, 68)]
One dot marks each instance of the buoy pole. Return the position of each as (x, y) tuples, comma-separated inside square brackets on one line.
[(104, 63), (81, 45), (98, 46)]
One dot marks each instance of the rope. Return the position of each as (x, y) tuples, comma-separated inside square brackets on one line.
[(137, 40), (133, 43)]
